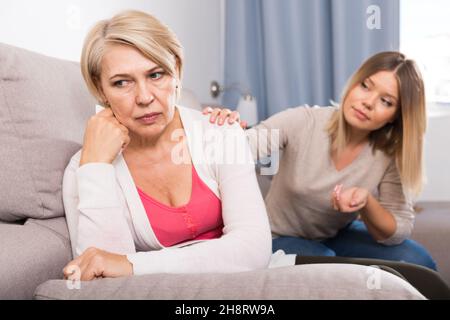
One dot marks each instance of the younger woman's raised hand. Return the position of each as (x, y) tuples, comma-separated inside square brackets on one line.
[(349, 200)]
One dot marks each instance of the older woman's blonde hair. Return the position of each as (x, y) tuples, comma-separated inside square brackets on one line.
[(402, 139), (139, 30)]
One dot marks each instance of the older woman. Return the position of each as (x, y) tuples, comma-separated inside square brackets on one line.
[(149, 192)]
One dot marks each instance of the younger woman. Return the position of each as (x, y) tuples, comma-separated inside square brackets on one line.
[(348, 174)]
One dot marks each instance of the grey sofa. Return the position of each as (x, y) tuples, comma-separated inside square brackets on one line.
[(44, 106)]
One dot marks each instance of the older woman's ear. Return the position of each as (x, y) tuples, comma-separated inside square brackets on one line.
[(104, 100), (178, 70)]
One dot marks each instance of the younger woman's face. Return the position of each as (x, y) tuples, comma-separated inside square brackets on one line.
[(373, 103)]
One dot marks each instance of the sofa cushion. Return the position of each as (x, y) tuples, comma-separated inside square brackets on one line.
[(44, 105), (31, 254), (316, 281)]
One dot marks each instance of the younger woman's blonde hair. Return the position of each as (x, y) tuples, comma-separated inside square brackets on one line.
[(402, 139), (139, 30)]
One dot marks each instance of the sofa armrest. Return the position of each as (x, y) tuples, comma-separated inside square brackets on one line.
[(315, 281), (431, 230), (31, 254)]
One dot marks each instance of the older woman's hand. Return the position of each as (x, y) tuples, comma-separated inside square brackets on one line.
[(104, 137), (95, 263), (349, 200), (222, 114)]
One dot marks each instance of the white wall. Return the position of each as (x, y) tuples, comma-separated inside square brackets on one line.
[(57, 28), (424, 27), (437, 155)]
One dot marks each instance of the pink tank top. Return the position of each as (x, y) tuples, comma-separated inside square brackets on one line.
[(199, 219)]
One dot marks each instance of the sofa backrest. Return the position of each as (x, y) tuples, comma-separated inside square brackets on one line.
[(44, 105)]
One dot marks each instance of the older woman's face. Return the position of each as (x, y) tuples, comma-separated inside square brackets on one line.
[(372, 103), (141, 94)]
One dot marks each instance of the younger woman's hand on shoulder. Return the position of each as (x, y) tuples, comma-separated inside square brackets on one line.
[(219, 116), (104, 137), (349, 200)]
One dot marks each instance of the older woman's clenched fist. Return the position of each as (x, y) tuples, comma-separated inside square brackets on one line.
[(104, 137)]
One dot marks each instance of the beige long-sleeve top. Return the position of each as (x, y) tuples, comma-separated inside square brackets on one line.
[(298, 201)]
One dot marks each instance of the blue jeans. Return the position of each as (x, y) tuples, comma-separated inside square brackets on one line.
[(356, 242)]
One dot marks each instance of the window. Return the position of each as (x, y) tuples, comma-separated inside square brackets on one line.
[(425, 37)]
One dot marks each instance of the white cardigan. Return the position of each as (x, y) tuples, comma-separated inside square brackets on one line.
[(104, 210)]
